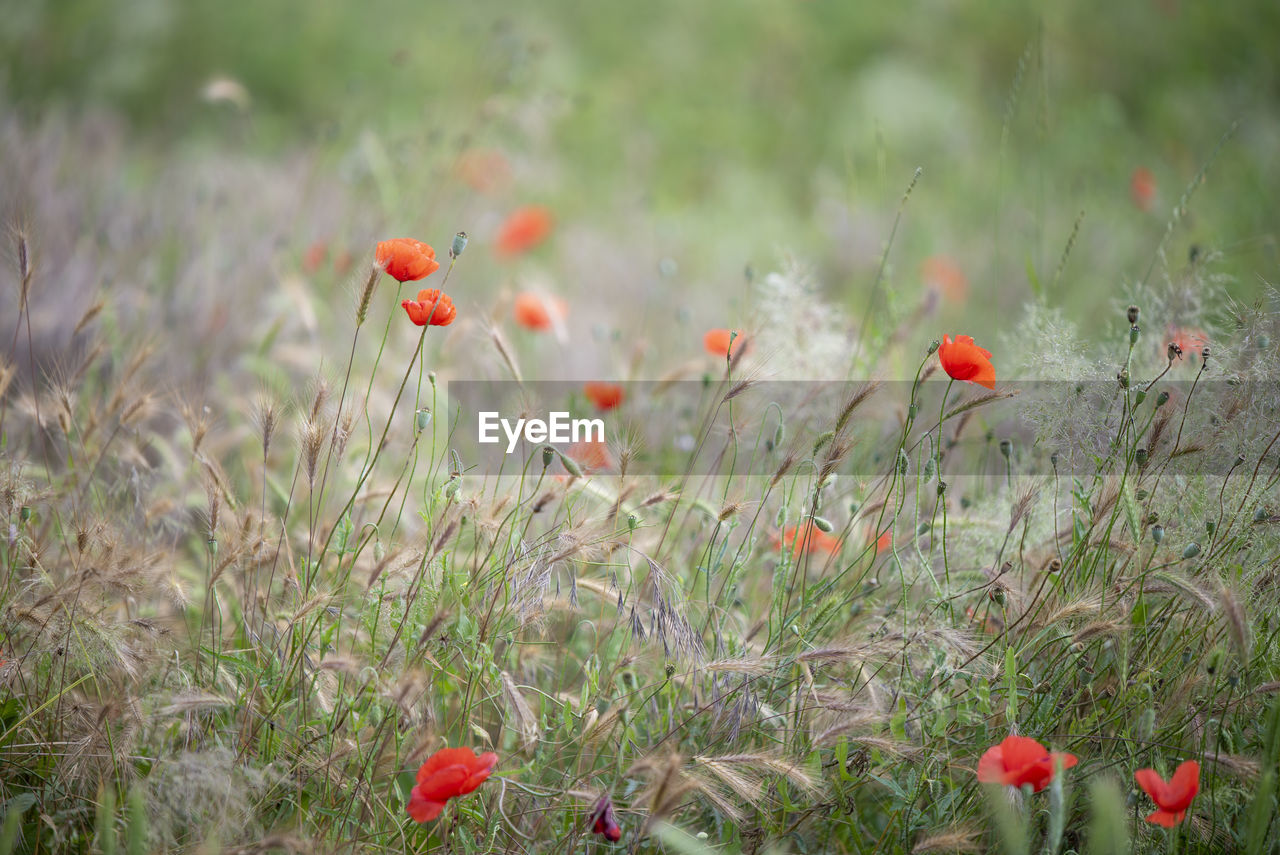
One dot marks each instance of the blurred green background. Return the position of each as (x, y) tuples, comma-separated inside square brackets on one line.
[(724, 134)]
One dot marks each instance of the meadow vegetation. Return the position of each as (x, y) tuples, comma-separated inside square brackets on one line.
[(252, 587)]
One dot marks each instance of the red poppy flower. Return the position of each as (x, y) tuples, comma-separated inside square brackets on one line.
[(484, 170), (1191, 340), (591, 456), (539, 313), (406, 259), (942, 274), (342, 262), (314, 256), (432, 307), (1172, 797), (524, 229), (716, 342), (448, 773), (1021, 760), (964, 360), (807, 538), (1142, 187), (605, 396), (603, 820), (884, 543)]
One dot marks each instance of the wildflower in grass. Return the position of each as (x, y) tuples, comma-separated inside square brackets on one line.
[(884, 543), (962, 359), (603, 820), (716, 342), (406, 259), (448, 773), (314, 257), (942, 275), (1172, 797), (523, 230), (484, 170), (1192, 340), (590, 455), (1142, 187), (539, 313), (1020, 761), (432, 307), (807, 538), (604, 396)]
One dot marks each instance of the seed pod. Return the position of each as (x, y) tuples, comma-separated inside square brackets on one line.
[(1139, 396), (822, 523), (424, 418), (1157, 533), (548, 455), (459, 244), (1132, 315), (1191, 551)]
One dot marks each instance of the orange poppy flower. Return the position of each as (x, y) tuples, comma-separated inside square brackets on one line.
[(406, 259), (1190, 340), (432, 307), (1020, 760), (964, 360), (314, 256), (942, 274), (484, 170), (605, 396), (884, 543), (524, 229), (1172, 797), (539, 313), (590, 455), (1142, 187), (716, 343), (806, 539), (448, 773)]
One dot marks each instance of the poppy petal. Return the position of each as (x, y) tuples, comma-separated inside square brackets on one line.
[(1165, 818), (422, 809)]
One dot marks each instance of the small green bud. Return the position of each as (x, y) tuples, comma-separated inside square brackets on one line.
[(459, 244), (570, 465), (25, 513), (424, 418), (933, 347), (1162, 399), (633, 522), (822, 523), (1139, 396)]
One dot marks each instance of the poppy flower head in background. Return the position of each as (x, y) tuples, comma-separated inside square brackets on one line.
[(805, 539), (406, 259), (447, 774), (484, 170), (604, 821), (432, 307), (1172, 797), (1189, 340), (962, 359), (314, 257), (1142, 187), (942, 274), (604, 396), (716, 343), (1019, 761), (524, 229), (539, 313), (590, 455)]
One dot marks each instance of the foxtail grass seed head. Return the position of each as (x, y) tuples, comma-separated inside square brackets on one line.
[(366, 294), (458, 245)]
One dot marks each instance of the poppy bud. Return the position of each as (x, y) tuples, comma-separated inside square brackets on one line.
[(930, 467), (452, 487), (1134, 332), (1006, 448), (459, 244), (1141, 455), (933, 347), (1053, 459), (1192, 550), (1132, 314), (1162, 399), (1157, 533), (822, 523), (570, 465), (548, 455), (902, 462), (1140, 396)]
